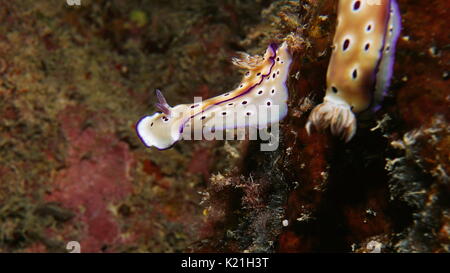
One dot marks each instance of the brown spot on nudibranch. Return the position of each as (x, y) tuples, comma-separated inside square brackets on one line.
[(346, 44), (355, 74)]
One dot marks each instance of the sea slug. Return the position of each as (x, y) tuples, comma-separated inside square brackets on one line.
[(263, 87), (361, 64)]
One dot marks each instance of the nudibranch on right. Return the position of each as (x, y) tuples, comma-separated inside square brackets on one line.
[(361, 64)]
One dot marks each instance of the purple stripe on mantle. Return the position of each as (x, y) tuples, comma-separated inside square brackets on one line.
[(274, 48)]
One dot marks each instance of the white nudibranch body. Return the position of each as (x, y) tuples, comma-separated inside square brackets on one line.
[(360, 66), (263, 86)]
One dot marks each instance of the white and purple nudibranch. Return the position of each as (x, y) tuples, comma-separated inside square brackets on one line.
[(361, 64), (263, 85)]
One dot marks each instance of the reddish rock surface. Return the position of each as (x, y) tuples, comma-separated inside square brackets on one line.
[(97, 178)]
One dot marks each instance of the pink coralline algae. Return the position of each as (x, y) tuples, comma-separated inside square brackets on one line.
[(97, 175)]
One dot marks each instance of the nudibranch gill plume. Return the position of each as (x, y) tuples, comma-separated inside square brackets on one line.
[(263, 85), (360, 66)]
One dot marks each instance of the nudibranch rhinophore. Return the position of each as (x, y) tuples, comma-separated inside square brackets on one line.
[(361, 64), (263, 86)]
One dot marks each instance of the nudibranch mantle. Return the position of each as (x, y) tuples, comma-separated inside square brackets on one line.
[(361, 63), (263, 85)]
